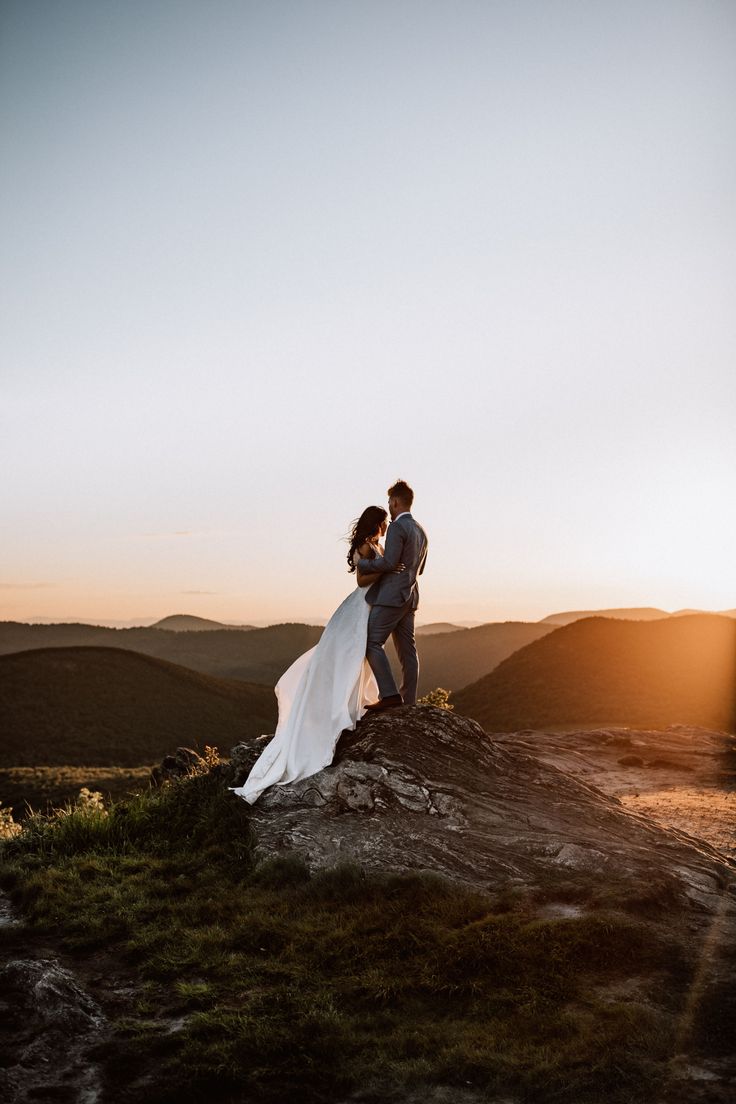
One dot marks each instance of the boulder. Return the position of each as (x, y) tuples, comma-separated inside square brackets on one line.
[(184, 761), (53, 1026), (242, 758)]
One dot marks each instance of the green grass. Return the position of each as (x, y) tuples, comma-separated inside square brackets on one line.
[(43, 788), (310, 986)]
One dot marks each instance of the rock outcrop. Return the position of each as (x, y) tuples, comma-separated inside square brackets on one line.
[(426, 789), (682, 776), (52, 1027), (183, 762)]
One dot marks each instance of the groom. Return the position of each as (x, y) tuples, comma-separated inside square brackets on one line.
[(394, 598)]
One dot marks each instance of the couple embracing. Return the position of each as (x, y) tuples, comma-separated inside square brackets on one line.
[(347, 674)]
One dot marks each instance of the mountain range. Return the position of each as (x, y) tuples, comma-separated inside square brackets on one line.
[(450, 659), (451, 656), (635, 613), (99, 707)]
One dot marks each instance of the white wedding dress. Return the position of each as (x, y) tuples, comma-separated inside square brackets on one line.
[(324, 691)]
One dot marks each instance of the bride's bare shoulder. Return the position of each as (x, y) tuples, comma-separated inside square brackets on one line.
[(364, 550)]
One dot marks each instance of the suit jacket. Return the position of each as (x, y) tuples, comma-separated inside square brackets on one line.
[(406, 542)]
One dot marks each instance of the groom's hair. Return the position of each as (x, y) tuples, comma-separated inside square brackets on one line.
[(403, 491)]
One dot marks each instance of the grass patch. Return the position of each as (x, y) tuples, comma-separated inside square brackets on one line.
[(42, 789), (287, 983)]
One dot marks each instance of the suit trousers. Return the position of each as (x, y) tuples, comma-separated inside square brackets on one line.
[(396, 621)]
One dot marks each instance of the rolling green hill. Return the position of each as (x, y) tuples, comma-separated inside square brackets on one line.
[(253, 655), (109, 707), (681, 670)]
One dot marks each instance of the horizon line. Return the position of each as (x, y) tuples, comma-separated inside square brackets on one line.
[(320, 622)]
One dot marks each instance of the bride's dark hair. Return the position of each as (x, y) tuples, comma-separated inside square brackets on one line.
[(366, 526)]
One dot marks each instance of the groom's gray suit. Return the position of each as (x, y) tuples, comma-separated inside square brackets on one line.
[(394, 599)]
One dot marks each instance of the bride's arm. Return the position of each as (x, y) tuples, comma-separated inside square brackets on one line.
[(391, 558), (365, 578)]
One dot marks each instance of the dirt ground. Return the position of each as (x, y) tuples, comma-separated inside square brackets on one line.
[(709, 813), (681, 777)]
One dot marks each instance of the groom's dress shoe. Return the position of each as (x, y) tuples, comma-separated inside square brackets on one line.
[(385, 703)]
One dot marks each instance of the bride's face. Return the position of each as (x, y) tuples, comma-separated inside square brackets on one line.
[(382, 528)]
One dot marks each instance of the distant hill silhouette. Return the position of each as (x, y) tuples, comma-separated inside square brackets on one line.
[(454, 659), (679, 670), (109, 707), (187, 622), (438, 627), (688, 612), (254, 655), (636, 613)]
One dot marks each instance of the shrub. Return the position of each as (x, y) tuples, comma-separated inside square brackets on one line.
[(439, 698), (8, 827)]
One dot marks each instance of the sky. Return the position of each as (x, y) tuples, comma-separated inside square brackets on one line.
[(262, 259)]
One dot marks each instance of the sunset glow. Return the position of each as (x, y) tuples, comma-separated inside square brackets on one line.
[(262, 260)]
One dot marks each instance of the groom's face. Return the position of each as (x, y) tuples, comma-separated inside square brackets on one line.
[(393, 508)]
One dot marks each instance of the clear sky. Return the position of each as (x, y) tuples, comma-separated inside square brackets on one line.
[(261, 259)]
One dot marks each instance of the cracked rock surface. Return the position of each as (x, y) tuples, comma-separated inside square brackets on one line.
[(682, 776), (418, 788)]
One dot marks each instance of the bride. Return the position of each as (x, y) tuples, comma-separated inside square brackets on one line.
[(327, 689)]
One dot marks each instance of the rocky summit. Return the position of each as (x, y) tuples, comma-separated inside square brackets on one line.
[(426, 789)]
